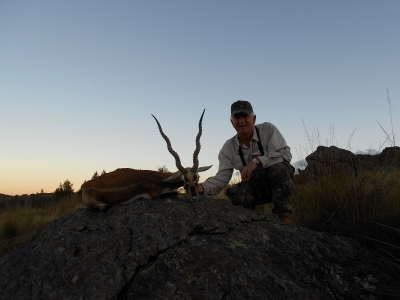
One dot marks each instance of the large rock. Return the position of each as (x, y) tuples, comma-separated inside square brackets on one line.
[(389, 157), (179, 249), (328, 160)]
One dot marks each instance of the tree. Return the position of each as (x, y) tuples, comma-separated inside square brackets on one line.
[(59, 191), (68, 188), (163, 169), (65, 189)]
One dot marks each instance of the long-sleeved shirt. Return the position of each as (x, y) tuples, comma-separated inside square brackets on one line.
[(275, 151)]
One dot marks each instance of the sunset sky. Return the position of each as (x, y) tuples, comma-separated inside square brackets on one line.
[(79, 80)]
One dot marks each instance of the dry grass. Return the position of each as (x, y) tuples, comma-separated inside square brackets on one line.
[(18, 225), (366, 207)]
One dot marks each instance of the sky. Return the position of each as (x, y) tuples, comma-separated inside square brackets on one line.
[(79, 81)]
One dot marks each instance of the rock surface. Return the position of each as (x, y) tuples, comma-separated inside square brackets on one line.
[(179, 249)]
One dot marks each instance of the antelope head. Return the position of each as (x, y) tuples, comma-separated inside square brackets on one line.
[(189, 176)]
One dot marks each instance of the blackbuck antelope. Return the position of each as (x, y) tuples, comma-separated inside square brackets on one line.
[(125, 185)]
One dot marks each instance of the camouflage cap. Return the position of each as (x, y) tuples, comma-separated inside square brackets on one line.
[(241, 106)]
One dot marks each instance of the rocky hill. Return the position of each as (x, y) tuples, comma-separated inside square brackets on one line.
[(179, 249)]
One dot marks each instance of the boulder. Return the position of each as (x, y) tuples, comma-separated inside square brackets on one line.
[(178, 249), (331, 155), (389, 157), (326, 160)]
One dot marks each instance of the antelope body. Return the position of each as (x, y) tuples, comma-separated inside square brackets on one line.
[(125, 185)]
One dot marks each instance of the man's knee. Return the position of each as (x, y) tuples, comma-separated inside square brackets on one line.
[(280, 171), (241, 194), (267, 185)]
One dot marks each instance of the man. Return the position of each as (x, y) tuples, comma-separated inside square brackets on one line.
[(261, 155)]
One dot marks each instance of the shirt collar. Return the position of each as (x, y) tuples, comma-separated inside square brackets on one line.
[(255, 137)]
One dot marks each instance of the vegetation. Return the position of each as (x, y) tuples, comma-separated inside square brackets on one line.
[(17, 224), (391, 136), (64, 190), (163, 169), (365, 207)]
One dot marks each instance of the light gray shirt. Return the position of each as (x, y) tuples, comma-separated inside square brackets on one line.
[(275, 151)]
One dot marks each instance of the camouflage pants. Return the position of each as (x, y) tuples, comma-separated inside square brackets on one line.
[(266, 185)]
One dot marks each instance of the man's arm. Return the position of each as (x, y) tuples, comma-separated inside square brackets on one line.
[(200, 189), (247, 171), (278, 150), (213, 185)]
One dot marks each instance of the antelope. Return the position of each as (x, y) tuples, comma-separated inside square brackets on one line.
[(125, 185)]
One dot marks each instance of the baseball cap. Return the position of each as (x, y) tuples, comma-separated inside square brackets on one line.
[(241, 106)]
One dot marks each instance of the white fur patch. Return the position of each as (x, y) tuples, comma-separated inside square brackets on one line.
[(141, 196)]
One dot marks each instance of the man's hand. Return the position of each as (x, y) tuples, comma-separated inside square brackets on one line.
[(248, 170), (200, 189)]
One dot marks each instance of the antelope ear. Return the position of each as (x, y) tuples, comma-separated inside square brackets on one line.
[(173, 177), (202, 169)]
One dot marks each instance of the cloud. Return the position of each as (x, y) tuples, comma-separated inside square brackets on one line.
[(299, 165)]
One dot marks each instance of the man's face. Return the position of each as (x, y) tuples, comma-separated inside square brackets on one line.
[(243, 123)]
